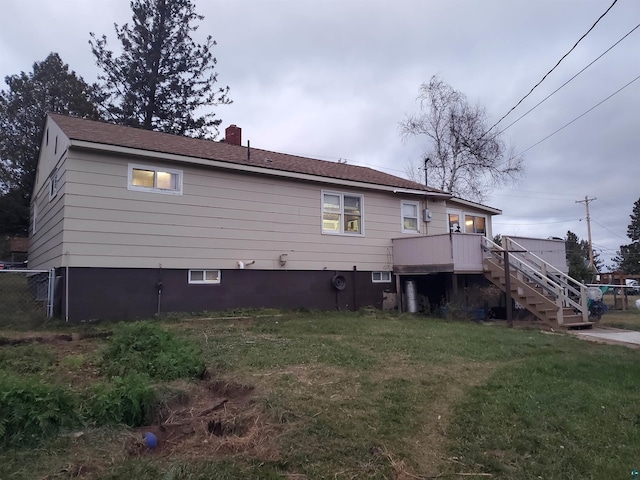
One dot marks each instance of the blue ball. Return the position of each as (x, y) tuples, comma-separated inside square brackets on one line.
[(150, 439)]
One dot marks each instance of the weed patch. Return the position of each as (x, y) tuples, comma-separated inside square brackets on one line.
[(26, 359), (31, 410), (147, 348), (130, 400)]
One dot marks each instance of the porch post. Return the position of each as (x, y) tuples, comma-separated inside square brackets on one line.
[(507, 288), (399, 292)]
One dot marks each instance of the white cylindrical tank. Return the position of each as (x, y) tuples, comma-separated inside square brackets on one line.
[(412, 296)]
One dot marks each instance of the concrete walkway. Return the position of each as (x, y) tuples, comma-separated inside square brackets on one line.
[(610, 335)]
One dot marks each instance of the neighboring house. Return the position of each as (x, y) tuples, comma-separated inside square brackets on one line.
[(18, 248), (138, 222)]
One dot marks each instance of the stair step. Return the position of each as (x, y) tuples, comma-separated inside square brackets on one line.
[(534, 297), (577, 325)]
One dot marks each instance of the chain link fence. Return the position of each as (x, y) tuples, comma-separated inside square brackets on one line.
[(26, 297)]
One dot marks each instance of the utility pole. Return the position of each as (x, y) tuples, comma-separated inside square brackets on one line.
[(426, 176), (586, 202)]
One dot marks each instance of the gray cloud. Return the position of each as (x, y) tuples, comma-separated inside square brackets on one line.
[(331, 79)]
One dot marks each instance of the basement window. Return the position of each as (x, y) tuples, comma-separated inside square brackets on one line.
[(381, 277), (145, 178), (204, 276)]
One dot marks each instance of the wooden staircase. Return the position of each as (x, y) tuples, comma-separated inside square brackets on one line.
[(546, 292)]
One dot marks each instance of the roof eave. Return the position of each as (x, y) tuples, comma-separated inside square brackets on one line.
[(468, 203), (241, 167)]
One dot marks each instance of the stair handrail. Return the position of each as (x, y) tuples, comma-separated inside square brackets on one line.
[(533, 272), (537, 274), (565, 281)]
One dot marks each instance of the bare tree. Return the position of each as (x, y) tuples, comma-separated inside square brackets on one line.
[(414, 170), (463, 157)]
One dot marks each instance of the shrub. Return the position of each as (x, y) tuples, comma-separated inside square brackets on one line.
[(130, 400), (147, 348), (31, 410)]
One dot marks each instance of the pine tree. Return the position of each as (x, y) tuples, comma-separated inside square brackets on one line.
[(577, 252), (162, 80), (51, 87), (628, 258)]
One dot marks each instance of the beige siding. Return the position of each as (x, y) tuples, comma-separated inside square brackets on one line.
[(222, 218), (460, 253), (54, 145), (433, 251), (46, 242), (439, 221)]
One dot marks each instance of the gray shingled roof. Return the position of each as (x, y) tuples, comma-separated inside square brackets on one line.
[(116, 135)]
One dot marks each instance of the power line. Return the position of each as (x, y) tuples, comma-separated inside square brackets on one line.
[(563, 85), (610, 231), (578, 117), (536, 195), (555, 66), (537, 223)]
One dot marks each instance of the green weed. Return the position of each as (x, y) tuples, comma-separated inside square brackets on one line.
[(73, 362), (26, 359), (130, 400), (31, 410), (147, 348)]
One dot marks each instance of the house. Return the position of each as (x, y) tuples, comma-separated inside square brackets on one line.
[(137, 222)]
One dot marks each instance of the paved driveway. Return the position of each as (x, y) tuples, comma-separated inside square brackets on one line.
[(610, 335)]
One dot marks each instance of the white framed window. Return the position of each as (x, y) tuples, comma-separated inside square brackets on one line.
[(146, 178), (463, 222), (475, 224), (381, 277), (410, 217), (53, 184), (455, 221), (342, 213), (204, 276)]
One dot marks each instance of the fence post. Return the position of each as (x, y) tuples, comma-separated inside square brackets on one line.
[(51, 292)]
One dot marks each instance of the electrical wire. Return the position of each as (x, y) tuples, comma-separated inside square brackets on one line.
[(578, 117), (563, 85), (554, 67), (610, 231), (537, 223)]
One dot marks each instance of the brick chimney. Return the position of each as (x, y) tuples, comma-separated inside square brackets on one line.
[(233, 135)]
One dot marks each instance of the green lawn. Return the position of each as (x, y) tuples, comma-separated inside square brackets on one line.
[(626, 319), (367, 395)]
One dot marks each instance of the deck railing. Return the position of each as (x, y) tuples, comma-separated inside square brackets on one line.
[(565, 291)]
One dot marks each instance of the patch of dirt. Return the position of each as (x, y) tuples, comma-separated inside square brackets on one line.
[(50, 337), (29, 339), (216, 418)]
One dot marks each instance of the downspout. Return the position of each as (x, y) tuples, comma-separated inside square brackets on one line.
[(159, 287), (355, 295), (66, 288), (50, 292)]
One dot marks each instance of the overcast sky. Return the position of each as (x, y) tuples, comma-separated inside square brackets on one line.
[(331, 79)]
